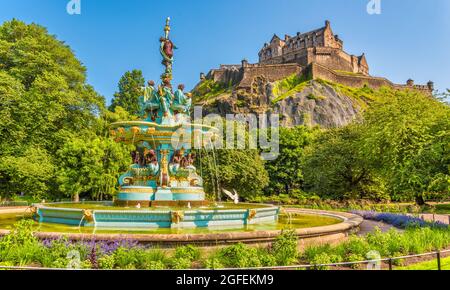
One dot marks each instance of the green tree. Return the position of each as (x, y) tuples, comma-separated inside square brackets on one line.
[(130, 89), (27, 173), (407, 137), (242, 170), (90, 166), (336, 167), (286, 172), (44, 101)]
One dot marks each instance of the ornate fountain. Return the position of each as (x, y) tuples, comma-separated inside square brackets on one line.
[(163, 172), (162, 188)]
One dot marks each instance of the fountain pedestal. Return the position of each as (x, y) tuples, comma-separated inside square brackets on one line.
[(163, 194)]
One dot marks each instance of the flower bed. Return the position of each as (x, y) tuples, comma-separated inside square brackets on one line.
[(398, 220)]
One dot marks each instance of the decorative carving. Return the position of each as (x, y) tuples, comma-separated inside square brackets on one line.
[(135, 130), (33, 210), (88, 215), (151, 131), (251, 214), (177, 217)]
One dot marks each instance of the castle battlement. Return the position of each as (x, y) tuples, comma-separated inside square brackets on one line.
[(320, 46), (319, 54)]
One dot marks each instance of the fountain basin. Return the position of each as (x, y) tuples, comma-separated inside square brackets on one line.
[(92, 216), (312, 227)]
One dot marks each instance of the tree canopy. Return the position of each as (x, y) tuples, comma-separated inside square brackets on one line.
[(127, 97), (45, 106)]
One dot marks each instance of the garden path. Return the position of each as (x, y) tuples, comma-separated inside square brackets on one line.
[(369, 226), (436, 218)]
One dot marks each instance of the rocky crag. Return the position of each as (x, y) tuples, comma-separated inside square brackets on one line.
[(307, 102)]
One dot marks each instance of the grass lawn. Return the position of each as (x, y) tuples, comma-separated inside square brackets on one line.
[(430, 265), (443, 208)]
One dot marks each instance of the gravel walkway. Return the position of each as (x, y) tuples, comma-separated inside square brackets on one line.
[(369, 226)]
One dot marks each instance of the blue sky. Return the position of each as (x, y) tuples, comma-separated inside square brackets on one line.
[(409, 39)]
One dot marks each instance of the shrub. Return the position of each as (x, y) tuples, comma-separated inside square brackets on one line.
[(312, 251), (266, 258), (356, 246), (59, 263), (125, 258), (285, 248), (239, 256), (106, 262), (213, 263), (188, 252), (151, 259), (155, 265), (320, 259), (181, 263), (355, 258)]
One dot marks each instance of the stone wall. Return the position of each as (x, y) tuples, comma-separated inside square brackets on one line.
[(327, 68), (226, 75), (358, 80), (352, 80), (271, 73)]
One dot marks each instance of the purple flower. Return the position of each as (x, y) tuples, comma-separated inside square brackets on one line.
[(398, 220)]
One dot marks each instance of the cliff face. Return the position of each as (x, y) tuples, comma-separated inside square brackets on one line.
[(310, 103)]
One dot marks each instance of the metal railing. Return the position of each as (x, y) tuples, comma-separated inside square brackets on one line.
[(389, 263)]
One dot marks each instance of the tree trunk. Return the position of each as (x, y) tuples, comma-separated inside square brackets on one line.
[(419, 200), (286, 188), (76, 197)]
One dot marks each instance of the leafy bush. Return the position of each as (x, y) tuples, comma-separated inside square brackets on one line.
[(213, 263), (188, 252), (285, 248), (355, 258), (181, 263), (155, 265), (321, 259), (106, 262), (125, 258), (239, 256)]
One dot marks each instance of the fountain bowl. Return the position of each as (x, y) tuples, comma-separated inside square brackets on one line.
[(106, 215)]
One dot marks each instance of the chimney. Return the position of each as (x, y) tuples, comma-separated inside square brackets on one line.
[(410, 83), (327, 23), (430, 85), (244, 63)]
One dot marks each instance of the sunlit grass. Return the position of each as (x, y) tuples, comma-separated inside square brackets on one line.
[(430, 265)]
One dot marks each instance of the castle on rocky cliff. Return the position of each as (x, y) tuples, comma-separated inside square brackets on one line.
[(318, 54)]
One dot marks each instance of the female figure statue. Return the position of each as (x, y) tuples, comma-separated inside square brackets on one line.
[(151, 161), (176, 161)]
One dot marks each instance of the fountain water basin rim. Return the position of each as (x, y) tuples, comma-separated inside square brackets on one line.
[(89, 216)]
